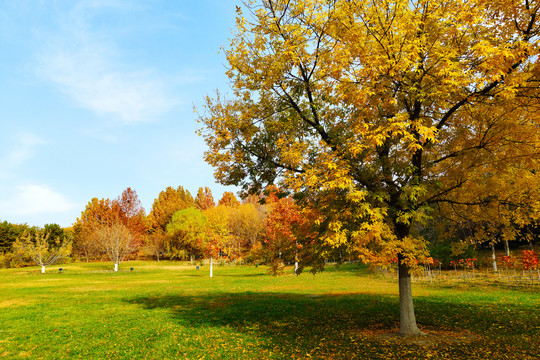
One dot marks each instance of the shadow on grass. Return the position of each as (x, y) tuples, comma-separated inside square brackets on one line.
[(350, 326), (290, 324)]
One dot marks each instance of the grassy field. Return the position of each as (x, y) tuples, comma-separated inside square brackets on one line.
[(169, 311)]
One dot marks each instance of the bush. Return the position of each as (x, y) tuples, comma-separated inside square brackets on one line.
[(276, 267), (5, 259)]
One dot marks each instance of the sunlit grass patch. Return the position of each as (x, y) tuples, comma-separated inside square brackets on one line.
[(173, 311), (12, 303)]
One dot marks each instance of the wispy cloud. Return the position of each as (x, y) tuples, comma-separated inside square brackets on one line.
[(35, 200), (24, 149), (87, 65)]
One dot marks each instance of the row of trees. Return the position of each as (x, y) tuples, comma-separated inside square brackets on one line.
[(266, 228), (20, 243), (269, 228)]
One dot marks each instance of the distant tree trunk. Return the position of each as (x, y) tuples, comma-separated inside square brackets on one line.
[(115, 266), (506, 247), (211, 268), (43, 269), (493, 257), (296, 263)]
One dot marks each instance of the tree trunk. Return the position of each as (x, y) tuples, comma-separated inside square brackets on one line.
[(116, 267), (506, 247), (493, 257), (296, 263), (211, 268), (407, 319), (42, 269)]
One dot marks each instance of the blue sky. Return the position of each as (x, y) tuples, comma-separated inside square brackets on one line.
[(98, 95)]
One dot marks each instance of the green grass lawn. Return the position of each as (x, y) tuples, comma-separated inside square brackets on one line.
[(170, 311)]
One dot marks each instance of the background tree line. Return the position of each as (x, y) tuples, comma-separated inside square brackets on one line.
[(270, 228), (266, 228)]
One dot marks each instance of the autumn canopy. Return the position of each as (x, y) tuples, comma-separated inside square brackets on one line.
[(381, 114)]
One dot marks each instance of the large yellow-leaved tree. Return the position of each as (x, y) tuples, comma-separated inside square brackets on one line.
[(381, 112)]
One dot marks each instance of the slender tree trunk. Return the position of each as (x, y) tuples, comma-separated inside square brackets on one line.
[(407, 319), (493, 257), (115, 266), (211, 268), (42, 269), (296, 262), (506, 247)]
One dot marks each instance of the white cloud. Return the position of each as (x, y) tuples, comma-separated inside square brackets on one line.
[(35, 200), (87, 65), (85, 76), (16, 152)]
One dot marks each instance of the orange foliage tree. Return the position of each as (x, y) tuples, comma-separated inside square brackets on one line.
[(204, 199), (97, 213), (228, 199), (280, 223), (131, 213), (289, 232), (127, 211)]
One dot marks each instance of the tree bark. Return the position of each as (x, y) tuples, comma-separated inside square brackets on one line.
[(116, 267), (211, 268), (407, 319), (42, 269), (506, 247)]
